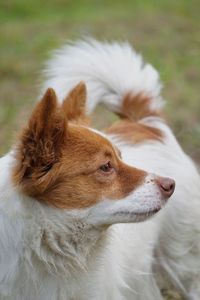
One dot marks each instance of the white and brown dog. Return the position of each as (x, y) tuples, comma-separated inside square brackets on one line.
[(64, 184)]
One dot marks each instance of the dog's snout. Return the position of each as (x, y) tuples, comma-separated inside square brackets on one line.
[(166, 186)]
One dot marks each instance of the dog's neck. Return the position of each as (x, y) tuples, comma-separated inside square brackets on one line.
[(57, 241), (64, 235)]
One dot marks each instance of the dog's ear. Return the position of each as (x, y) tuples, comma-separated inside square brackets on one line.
[(74, 105), (41, 143)]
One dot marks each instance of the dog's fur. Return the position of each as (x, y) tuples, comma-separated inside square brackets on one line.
[(64, 184)]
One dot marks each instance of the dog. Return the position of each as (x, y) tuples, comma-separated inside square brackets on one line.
[(73, 198)]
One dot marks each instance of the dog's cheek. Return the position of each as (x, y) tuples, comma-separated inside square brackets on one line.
[(84, 192)]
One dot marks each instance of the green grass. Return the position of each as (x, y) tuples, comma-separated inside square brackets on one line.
[(166, 32)]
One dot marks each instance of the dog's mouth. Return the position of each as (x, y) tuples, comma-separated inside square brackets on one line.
[(149, 213), (139, 216), (146, 215)]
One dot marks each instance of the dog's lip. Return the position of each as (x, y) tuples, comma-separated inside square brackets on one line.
[(149, 212), (140, 214)]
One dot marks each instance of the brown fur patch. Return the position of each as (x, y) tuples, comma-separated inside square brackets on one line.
[(59, 163), (40, 143), (134, 108), (74, 105), (135, 132), (137, 107)]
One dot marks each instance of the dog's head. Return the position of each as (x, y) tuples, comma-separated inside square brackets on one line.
[(62, 162)]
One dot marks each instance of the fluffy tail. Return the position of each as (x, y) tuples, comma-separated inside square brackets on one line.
[(114, 74)]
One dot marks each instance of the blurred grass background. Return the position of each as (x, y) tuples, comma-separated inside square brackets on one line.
[(166, 32)]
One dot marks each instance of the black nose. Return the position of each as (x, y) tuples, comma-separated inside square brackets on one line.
[(166, 186)]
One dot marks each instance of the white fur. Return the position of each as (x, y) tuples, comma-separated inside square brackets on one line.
[(109, 70), (136, 207), (52, 254)]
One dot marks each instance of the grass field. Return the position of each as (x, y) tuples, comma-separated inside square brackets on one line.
[(166, 32)]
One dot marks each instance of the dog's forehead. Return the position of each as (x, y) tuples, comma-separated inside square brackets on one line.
[(88, 137)]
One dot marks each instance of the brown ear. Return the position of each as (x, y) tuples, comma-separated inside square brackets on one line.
[(74, 105), (41, 141)]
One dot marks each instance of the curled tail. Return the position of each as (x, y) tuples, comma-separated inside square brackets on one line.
[(114, 74)]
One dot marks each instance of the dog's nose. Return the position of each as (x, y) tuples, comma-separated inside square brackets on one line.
[(166, 186)]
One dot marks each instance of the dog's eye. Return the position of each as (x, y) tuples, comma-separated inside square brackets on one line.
[(107, 167)]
